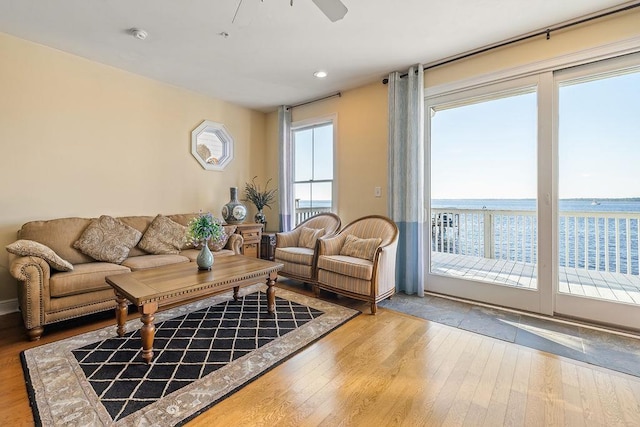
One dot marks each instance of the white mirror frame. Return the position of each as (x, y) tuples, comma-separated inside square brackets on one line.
[(212, 145)]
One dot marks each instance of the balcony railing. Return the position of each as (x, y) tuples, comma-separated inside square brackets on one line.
[(302, 214), (602, 241)]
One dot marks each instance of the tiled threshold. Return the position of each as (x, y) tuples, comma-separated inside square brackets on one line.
[(595, 345)]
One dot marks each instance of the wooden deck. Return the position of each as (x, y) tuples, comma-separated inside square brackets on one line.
[(574, 281)]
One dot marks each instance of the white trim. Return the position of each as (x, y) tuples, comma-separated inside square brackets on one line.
[(8, 306), (487, 92), (606, 51), (617, 314), (314, 121), (603, 311), (547, 277), (311, 122)]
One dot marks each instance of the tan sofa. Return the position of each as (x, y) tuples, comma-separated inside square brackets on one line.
[(47, 296)]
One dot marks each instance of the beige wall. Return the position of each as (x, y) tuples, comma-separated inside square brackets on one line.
[(361, 147), (78, 138), (596, 33)]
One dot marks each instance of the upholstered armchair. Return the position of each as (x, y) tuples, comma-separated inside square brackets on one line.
[(360, 261), (296, 249)]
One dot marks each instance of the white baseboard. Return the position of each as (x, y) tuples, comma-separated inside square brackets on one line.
[(8, 306)]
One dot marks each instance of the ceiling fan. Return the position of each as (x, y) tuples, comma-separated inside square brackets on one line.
[(335, 10)]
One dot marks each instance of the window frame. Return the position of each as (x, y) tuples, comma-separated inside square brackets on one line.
[(312, 123), (520, 298)]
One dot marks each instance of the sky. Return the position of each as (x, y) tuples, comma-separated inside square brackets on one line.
[(313, 152), (489, 149)]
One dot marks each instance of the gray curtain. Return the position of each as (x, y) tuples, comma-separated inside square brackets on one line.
[(286, 167), (406, 176)]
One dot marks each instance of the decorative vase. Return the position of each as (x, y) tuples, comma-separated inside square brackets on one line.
[(234, 212), (261, 218), (205, 257)]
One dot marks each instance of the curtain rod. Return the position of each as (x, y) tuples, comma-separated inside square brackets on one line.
[(546, 32), (338, 94)]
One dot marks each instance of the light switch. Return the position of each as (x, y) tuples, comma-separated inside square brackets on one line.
[(377, 191)]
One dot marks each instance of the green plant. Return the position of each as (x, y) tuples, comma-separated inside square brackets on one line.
[(260, 198), (203, 228)]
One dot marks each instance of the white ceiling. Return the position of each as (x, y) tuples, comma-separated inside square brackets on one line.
[(273, 48)]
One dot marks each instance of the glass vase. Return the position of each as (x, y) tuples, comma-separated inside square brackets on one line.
[(205, 257)]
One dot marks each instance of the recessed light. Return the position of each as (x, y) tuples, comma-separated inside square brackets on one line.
[(139, 33), (320, 74)]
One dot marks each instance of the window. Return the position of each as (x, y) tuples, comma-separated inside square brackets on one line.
[(313, 169)]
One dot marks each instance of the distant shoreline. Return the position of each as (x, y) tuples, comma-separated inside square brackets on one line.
[(571, 199)]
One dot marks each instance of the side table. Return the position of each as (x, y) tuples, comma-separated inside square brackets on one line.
[(268, 245), (251, 233)]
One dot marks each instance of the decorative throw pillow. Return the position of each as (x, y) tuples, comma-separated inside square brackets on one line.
[(108, 239), (221, 242), (164, 236), (31, 248), (360, 248), (309, 236)]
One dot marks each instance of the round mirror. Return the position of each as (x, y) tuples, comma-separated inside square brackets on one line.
[(211, 145)]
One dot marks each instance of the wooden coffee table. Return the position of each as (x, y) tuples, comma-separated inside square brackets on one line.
[(157, 287)]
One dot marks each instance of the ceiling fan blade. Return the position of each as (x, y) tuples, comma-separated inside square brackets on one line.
[(334, 9)]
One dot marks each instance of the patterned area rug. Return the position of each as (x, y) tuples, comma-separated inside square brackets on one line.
[(203, 352)]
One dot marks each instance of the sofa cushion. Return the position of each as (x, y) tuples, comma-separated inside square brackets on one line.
[(144, 262), (295, 255), (31, 248), (59, 235), (360, 248), (346, 266), (140, 223), (84, 278), (309, 237), (345, 283), (300, 270), (108, 239), (183, 218), (164, 236)]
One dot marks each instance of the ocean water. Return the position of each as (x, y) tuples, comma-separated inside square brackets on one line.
[(303, 204), (573, 205), (604, 236)]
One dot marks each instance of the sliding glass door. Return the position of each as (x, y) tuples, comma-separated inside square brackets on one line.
[(598, 229), (534, 192), (483, 186)]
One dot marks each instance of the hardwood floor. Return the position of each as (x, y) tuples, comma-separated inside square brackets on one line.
[(388, 369)]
